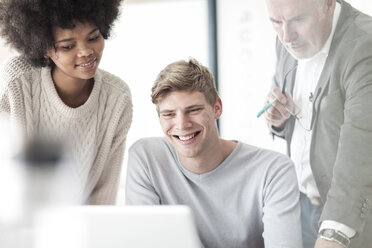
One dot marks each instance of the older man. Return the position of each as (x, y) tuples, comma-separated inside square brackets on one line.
[(323, 83)]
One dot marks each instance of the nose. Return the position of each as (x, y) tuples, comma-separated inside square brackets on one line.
[(183, 122), (85, 51), (289, 34)]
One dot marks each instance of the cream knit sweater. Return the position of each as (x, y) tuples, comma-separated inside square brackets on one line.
[(95, 132)]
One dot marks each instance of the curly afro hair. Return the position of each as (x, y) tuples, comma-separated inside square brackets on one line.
[(27, 24)]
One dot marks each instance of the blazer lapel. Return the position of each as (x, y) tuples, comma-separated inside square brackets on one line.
[(321, 88), (291, 69)]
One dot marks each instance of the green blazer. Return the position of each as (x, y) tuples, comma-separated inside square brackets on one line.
[(341, 147)]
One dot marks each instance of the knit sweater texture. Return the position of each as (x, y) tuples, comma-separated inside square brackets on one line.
[(94, 133)]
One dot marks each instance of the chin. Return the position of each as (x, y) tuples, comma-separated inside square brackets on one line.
[(305, 54), (298, 55), (89, 76)]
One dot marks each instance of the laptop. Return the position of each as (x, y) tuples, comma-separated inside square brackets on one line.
[(116, 227)]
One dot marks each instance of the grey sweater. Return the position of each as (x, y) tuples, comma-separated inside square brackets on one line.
[(250, 200)]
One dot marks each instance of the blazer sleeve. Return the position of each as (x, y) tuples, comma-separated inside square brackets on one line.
[(276, 82), (350, 194), (284, 63)]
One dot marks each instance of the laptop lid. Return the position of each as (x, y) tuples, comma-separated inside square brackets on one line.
[(117, 227)]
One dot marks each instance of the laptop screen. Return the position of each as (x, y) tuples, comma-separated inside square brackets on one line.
[(117, 227)]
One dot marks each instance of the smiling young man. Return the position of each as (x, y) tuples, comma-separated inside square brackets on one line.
[(241, 195)]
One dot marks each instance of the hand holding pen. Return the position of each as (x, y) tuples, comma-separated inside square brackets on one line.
[(279, 105)]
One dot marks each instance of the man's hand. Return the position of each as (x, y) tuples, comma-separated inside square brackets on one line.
[(277, 114), (322, 243)]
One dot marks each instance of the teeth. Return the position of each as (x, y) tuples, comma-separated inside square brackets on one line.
[(187, 137), (88, 63)]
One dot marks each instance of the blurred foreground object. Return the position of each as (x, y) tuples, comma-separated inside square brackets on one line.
[(34, 176)]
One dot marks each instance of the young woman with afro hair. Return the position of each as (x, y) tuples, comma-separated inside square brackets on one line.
[(55, 89)]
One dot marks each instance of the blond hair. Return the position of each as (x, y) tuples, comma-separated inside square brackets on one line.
[(185, 75)]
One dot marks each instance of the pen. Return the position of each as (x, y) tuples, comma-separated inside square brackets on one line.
[(266, 107)]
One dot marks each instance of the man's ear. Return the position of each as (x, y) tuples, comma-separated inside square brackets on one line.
[(218, 108), (331, 4)]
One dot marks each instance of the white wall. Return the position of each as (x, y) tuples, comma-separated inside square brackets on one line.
[(246, 66), (363, 5), (5, 51)]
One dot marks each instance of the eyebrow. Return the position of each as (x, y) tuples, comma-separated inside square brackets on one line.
[(274, 20), (187, 108), (70, 39), (195, 106), (165, 111), (293, 18)]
